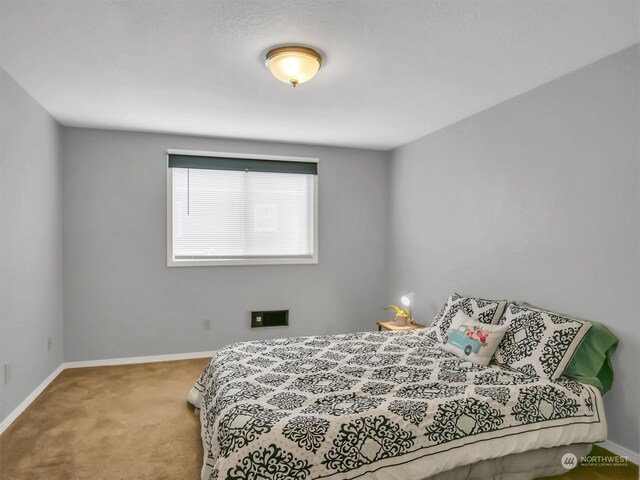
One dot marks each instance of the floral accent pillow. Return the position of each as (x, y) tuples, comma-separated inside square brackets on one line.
[(481, 310), (539, 343), (472, 340)]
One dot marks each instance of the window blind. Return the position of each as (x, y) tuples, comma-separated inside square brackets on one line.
[(240, 211), (242, 164)]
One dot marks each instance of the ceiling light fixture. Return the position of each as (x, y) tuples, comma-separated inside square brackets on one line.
[(293, 65)]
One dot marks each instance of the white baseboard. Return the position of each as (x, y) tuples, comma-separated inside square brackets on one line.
[(132, 360), (620, 450), (95, 363), (27, 401)]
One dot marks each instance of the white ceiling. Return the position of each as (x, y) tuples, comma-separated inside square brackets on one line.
[(393, 70)]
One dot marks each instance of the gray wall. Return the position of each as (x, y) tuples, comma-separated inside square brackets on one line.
[(535, 199), (30, 243), (122, 300)]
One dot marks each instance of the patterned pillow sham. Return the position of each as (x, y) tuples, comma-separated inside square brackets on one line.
[(539, 343), (471, 340), (481, 310)]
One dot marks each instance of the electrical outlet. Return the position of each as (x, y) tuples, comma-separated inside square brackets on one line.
[(49, 343), (7, 373), (206, 324)]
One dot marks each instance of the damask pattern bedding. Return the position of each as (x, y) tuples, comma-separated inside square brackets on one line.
[(376, 406)]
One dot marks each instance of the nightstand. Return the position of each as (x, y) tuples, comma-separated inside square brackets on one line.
[(391, 325)]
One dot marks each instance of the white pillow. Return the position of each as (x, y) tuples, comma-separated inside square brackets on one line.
[(485, 311), (539, 343), (472, 340)]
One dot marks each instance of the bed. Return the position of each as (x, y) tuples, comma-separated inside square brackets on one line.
[(384, 405)]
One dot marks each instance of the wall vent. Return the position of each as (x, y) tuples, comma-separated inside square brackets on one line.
[(271, 318)]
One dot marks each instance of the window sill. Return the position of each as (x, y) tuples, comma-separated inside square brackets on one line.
[(219, 262)]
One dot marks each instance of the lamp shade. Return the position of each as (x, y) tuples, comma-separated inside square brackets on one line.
[(407, 299), (293, 65)]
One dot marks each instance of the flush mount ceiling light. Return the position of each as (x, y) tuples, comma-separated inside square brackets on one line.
[(293, 65)]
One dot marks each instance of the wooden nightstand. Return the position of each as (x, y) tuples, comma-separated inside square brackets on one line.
[(391, 325)]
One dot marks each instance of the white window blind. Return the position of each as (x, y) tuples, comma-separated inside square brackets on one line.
[(242, 215)]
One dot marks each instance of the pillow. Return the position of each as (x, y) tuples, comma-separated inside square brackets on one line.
[(484, 311), (472, 340), (539, 343), (591, 362)]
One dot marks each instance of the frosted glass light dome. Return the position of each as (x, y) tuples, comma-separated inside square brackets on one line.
[(293, 65)]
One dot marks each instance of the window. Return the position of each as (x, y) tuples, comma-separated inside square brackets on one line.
[(226, 209)]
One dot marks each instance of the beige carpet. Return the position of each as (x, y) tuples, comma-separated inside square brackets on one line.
[(120, 422), (132, 422)]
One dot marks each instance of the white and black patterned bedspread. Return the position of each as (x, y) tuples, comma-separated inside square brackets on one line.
[(384, 404)]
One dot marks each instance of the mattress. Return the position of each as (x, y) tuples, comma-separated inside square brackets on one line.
[(378, 405)]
